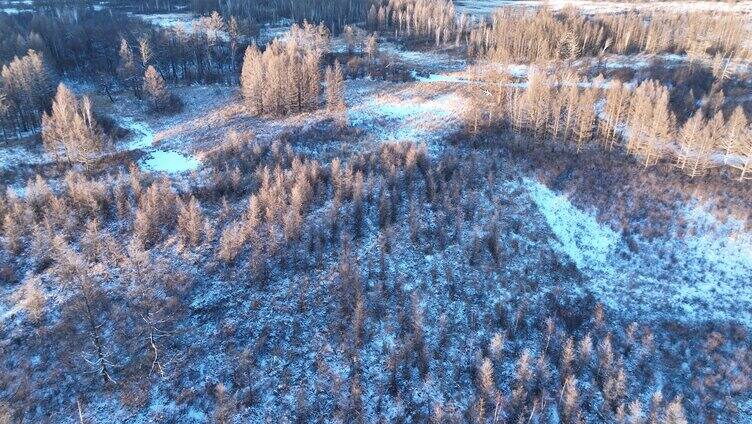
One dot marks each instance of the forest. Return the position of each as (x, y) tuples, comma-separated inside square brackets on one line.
[(357, 211)]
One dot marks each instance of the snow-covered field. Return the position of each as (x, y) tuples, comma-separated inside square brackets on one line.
[(188, 21), (486, 7), (700, 276), (412, 119)]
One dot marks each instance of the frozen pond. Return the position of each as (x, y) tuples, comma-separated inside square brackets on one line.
[(157, 160), (169, 161)]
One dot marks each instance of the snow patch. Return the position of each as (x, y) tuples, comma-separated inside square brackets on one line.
[(171, 20), (487, 7), (699, 275), (580, 236), (415, 119)]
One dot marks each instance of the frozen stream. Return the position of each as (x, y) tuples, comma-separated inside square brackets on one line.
[(156, 159)]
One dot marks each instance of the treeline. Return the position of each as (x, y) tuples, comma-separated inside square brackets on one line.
[(565, 110), (521, 35), (427, 19), (74, 44), (335, 14)]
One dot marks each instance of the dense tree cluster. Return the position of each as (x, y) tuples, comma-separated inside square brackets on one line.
[(128, 277), (26, 86), (285, 78), (521, 35), (432, 19), (579, 112)]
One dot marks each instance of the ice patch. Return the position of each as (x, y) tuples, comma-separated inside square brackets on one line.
[(519, 71), (143, 136), (169, 161)]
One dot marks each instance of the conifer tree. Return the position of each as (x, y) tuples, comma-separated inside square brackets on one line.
[(28, 86), (252, 80), (155, 89), (744, 149), (372, 47), (71, 132), (335, 88), (733, 133), (127, 68)]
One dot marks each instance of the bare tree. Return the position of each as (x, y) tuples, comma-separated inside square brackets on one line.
[(81, 278)]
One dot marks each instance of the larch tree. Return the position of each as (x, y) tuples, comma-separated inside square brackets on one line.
[(313, 80), (690, 135), (335, 90), (349, 36), (145, 50), (4, 110), (615, 111), (586, 116), (81, 278), (71, 131), (744, 149), (233, 31), (28, 86), (695, 145), (252, 80), (732, 133), (660, 132), (372, 47), (155, 89), (127, 70)]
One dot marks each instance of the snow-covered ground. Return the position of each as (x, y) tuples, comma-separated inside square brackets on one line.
[(13, 7), (171, 20), (433, 60), (486, 7), (394, 118), (273, 30), (11, 156), (698, 276)]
